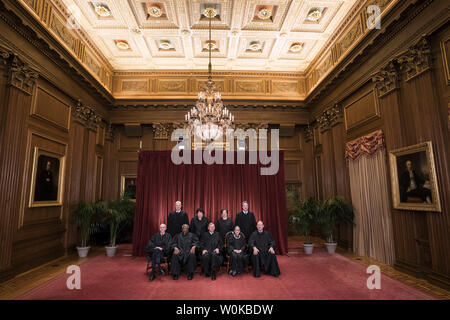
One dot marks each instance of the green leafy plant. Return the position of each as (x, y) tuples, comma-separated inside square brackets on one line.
[(305, 216), (116, 214), (84, 215), (332, 211)]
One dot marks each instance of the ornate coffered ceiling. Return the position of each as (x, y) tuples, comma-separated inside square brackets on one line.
[(275, 35), (262, 49)]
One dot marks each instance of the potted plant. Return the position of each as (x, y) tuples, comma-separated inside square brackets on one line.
[(303, 219), (83, 216), (333, 211), (116, 214)]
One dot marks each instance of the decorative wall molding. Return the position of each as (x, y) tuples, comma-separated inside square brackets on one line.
[(386, 80), (330, 118), (20, 74), (308, 132), (416, 60), (87, 116), (110, 132), (162, 131)]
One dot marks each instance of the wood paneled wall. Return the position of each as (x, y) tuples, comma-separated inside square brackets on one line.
[(400, 85), (37, 112)]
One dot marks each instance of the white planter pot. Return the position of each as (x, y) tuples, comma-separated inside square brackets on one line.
[(111, 251), (308, 247), (331, 247), (83, 251)]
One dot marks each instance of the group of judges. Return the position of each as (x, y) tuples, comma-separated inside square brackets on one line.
[(183, 243)]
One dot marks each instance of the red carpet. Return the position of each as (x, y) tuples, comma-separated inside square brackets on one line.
[(319, 276)]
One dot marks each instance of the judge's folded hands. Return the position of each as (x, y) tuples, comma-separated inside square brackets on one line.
[(271, 250), (255, 251), (176, 250), (193, 250)]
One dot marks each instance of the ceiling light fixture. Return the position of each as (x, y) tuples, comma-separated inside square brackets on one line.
[(102, 9), (122, 45), (314, 14), (210, 12), (165, 45), (255, 46), (155, 11), (209, 119), (296, 47), (264, 14)]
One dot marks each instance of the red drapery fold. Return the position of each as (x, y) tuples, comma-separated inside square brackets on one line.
[(212, 187), (367, 145)]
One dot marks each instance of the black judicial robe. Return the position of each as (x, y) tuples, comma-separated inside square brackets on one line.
[(246, 222), (175, 221), (211, 242), (224, 226), (184, 242), (159, 241), (238, 260), (263, 241), (198, 226)]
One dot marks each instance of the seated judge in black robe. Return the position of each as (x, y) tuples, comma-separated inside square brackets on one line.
[(262, 249), (199, 223), (246, 220), (176, 219), (184, 245), (158, 247), (236, 250), (224, 224), (211, 246)]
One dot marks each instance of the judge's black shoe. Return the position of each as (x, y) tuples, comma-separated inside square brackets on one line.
[(190, 276), (213, 276), (175, 277), (207, 275), (256, 275), (152, 277), (233, 273)]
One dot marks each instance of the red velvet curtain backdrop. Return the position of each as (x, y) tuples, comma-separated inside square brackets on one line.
[(212, 187)]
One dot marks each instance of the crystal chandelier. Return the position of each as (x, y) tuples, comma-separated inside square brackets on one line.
[(209, 119)]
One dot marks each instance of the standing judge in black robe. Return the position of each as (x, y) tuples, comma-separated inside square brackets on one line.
[(199, 223), (176, 219), (236, 249), (262, 248), (224, 224), (211, 246), (158, 247), (184, 245), (246, 220)]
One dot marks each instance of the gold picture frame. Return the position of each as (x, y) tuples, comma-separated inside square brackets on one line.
[(124, 179), (47, 191), (413, 178)]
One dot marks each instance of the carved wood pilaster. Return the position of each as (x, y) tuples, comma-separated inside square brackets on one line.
[(86, 116), (110, 133), (416, 60), (308, 132), (162, 131), (386, 80)]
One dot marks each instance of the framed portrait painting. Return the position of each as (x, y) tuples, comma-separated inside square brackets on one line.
[(128, 186), (47, 179), (413, 178)]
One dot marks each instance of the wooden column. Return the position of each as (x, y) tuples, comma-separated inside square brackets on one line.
[(21, 80)]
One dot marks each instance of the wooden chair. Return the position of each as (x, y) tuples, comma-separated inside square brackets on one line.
[(227, 255), (166, 261)]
